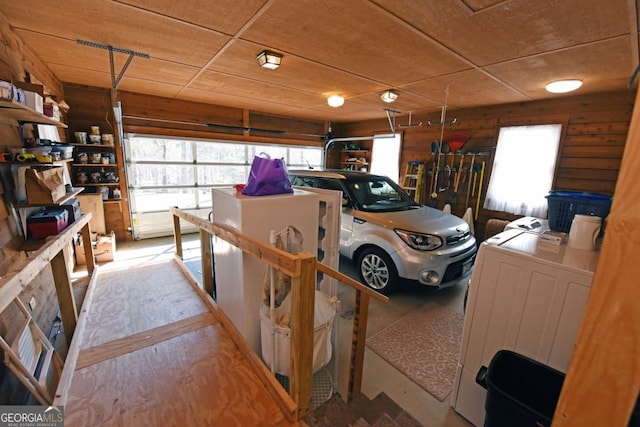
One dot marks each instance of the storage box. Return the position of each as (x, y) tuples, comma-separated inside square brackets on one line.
[(564, 205), (72, 206), (34, 101), (104, 249), (47, 223), (44, 186), (51, 110)]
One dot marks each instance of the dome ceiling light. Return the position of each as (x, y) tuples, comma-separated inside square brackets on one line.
[(563, 86), (335, 101)]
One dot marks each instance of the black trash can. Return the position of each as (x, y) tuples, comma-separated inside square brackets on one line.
[(520, 391)]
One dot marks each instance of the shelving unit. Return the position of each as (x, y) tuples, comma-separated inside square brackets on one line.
[(92, 167), (352, 160)]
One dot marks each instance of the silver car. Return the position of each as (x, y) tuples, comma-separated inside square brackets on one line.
[(389, 236)]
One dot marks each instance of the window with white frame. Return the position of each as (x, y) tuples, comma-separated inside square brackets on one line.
[(385, 156), (165, 171), (523, 169)]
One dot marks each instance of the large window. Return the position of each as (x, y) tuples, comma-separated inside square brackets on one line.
[(164, 172), (523, 169), (385, 157)]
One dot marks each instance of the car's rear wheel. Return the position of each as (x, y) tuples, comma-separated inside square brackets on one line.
[(378, 271)]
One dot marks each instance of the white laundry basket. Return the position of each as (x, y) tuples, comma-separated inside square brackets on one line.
[(324, 313)]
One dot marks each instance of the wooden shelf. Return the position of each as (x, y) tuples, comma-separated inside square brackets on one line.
[(75, 191), (24, 114), (93, 165), (75, 144)]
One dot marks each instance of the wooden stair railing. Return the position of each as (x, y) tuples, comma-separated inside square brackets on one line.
[(302, 269)]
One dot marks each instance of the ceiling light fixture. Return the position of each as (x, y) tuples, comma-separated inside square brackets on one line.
[(389, 96), (270, 60), (563, 86), (335, 101)]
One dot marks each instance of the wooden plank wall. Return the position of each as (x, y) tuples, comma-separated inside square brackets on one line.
[(17, 63), (90, 106), (592, 143), (153, 115)]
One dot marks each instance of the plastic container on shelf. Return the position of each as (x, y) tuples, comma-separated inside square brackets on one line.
[(564, 205)]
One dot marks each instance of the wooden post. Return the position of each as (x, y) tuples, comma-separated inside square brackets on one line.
[(64, 291), (85, 232), (603, 379), (302, 313), (205, 257), (361, 312), (177, 235)]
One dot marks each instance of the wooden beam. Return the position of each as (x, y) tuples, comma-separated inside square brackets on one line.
[(64, 384), (301, 324), (350, 282), (284, 401), (603, 379), (17, 280), (112, 349), (206, 264), (64, 292), (359, 334), (177, 236), (282, 260)]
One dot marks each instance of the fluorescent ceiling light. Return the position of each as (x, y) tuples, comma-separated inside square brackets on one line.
[(563, 86), (270, 60), (389, 96), (335, 101)]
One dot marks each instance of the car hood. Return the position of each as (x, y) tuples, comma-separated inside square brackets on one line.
[(423, 220)]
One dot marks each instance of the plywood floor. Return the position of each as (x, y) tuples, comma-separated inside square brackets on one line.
[(153, 354)]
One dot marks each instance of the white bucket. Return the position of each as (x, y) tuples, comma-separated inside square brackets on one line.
[(324, 312)]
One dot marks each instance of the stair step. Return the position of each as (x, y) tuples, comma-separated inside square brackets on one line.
[(381, 411)]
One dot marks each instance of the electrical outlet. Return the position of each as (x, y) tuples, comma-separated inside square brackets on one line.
[(32, 303)]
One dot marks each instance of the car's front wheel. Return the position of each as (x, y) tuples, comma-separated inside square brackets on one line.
[(378, 271)]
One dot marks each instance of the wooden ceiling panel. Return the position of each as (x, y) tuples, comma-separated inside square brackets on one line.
[(354, 36), (226, 16), (611, 71), (466, 89), (513, 29), (218, 83), (84, 58), (295, 72), (487, 51), (109, 23)]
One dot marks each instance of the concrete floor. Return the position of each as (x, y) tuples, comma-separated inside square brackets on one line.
[(378, 376)]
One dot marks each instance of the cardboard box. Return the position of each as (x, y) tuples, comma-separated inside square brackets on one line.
[(104, 249), (44, 185)]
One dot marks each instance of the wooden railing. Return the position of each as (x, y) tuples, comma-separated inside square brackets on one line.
[(302, 269)]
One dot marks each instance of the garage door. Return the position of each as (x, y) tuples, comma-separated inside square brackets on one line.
[(164, 172)]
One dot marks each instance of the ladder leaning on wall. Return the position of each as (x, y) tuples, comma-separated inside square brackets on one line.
[(413, 179)]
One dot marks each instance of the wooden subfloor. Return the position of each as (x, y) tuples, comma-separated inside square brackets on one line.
[(153, 354)]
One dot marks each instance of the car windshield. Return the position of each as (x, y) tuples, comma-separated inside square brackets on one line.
[(375, 194)]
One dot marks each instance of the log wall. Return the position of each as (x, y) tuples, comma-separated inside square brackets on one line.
[(592, 143)]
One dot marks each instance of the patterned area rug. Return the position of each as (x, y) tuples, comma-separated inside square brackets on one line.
[(425, 346)]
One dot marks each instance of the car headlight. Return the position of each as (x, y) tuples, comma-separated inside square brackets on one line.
[(419, 241)]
